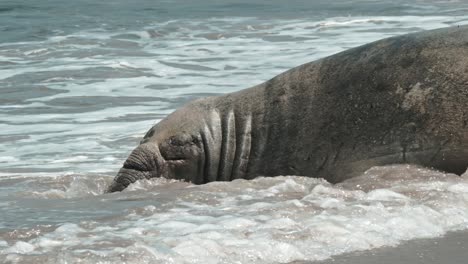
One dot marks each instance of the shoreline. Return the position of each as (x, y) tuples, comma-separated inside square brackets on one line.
[(452, 248)]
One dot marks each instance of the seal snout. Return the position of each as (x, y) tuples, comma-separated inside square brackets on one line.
[(141, 164), (144, 158), (127, 176)]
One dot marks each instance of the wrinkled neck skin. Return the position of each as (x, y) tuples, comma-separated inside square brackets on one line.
[(199, 143), (401, 100)]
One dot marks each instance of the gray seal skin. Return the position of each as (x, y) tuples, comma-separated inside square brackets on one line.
[(399, 100)]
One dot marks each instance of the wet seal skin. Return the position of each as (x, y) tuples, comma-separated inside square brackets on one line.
[(401, 100)]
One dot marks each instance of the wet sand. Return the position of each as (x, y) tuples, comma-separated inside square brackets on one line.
[(449, 249)]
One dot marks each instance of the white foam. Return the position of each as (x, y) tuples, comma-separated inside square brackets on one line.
[(459, 188), (386, 195), (36, 51), (280, 219), (147, 184), (7, 159), (20, 247), (66, 186), (79, 158), (267, 220)]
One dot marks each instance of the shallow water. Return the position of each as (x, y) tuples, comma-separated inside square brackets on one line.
[(265, 220), (81, 82)]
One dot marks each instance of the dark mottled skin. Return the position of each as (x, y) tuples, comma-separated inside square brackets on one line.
[(397, 100)]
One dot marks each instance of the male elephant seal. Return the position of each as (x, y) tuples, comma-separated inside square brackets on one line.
[(399, 100)]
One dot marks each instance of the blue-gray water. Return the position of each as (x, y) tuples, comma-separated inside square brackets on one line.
[(81, 82)]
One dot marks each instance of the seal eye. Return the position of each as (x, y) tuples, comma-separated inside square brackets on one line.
[(175, 147), (183, 140), (195, 140), (180, 147), (176, 141)]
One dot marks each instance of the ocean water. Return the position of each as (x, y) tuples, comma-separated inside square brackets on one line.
[(82, 81)]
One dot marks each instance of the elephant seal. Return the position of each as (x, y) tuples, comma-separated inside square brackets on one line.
[(399, 100)]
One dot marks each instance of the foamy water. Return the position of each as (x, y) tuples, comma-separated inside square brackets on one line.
[(76, 97), (266, 220)]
